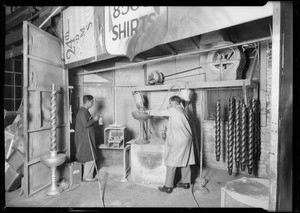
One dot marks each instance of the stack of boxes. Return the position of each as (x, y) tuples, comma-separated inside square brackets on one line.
[(14, 170), (14, 154)]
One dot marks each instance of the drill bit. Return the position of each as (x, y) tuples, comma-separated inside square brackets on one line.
[(218, 131), (230, 138), (250, 138), (244, 135), (237, 134)]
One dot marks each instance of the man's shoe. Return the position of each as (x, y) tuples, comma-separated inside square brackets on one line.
[(90, 179), (183, 185), (166, 189)]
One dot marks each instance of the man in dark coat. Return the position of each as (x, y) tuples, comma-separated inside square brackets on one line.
[(84, 124)]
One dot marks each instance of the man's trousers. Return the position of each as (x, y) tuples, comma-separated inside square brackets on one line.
[(88, 170), (185, 175)]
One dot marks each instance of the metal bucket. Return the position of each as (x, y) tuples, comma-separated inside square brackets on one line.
[(185, 94)]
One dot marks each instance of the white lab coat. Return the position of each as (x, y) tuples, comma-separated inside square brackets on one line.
[(179, 150)]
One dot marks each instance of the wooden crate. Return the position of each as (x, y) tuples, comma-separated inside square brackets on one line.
[(12, 179), (16, 161)]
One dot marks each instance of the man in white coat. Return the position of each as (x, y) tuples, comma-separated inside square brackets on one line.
[(179, 150)]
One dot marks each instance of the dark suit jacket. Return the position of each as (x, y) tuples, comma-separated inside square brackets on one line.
[(82, 126)]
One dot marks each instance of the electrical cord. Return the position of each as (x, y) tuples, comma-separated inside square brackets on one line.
[(194, 195)]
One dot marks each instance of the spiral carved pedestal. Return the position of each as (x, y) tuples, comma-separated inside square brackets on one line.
[(53, 160), (141, 116)]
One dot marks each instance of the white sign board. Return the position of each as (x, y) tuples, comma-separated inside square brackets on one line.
[(79, 29), (127, 26)]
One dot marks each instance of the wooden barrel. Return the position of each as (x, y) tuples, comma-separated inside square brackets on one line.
[(246, 193)]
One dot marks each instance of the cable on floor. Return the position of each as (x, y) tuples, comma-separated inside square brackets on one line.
[(194, 195)]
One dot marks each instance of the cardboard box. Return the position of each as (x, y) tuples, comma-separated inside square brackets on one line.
[(16, 161), (12, 179)]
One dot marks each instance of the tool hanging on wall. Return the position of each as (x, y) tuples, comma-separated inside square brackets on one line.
[(250, 136), (230, 136), (255, 145), (218, 131), (237, 134), (257, 130), (244, 136), (242, 133)]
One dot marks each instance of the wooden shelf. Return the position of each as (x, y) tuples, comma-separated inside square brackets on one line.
[(197, 85), (103, 146)]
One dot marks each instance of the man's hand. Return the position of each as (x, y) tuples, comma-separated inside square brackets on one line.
[(96, 117)]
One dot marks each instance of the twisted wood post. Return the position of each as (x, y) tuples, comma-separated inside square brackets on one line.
[(251, 138), (53, 144), (218, 131), (237, 134), (230, 137), (244, 137)]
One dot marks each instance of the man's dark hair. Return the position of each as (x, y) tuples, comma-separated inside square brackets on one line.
[(87, 98), (175, 98)]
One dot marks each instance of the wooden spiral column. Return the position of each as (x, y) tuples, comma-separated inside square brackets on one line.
[(244, 137), (53, 159), (53, 144), (251, 138), (237, 134), (255, 141), (257, 135), (230, 137), (218, 131)]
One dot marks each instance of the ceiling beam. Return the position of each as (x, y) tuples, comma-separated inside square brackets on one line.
[(195, 43), (168, 46)]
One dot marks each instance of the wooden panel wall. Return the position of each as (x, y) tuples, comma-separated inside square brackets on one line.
[(41, 69), (200, 109), (126, 80)]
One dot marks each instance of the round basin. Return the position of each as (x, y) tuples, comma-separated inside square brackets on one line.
[(140, 115), (53, 161)]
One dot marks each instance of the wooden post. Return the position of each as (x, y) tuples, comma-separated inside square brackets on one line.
[(263, 83), (276, 69)]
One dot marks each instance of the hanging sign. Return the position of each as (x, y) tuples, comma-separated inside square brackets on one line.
[(78, 29), (130, 30)]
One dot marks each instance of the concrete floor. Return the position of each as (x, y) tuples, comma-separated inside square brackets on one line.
[(127, 194)]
